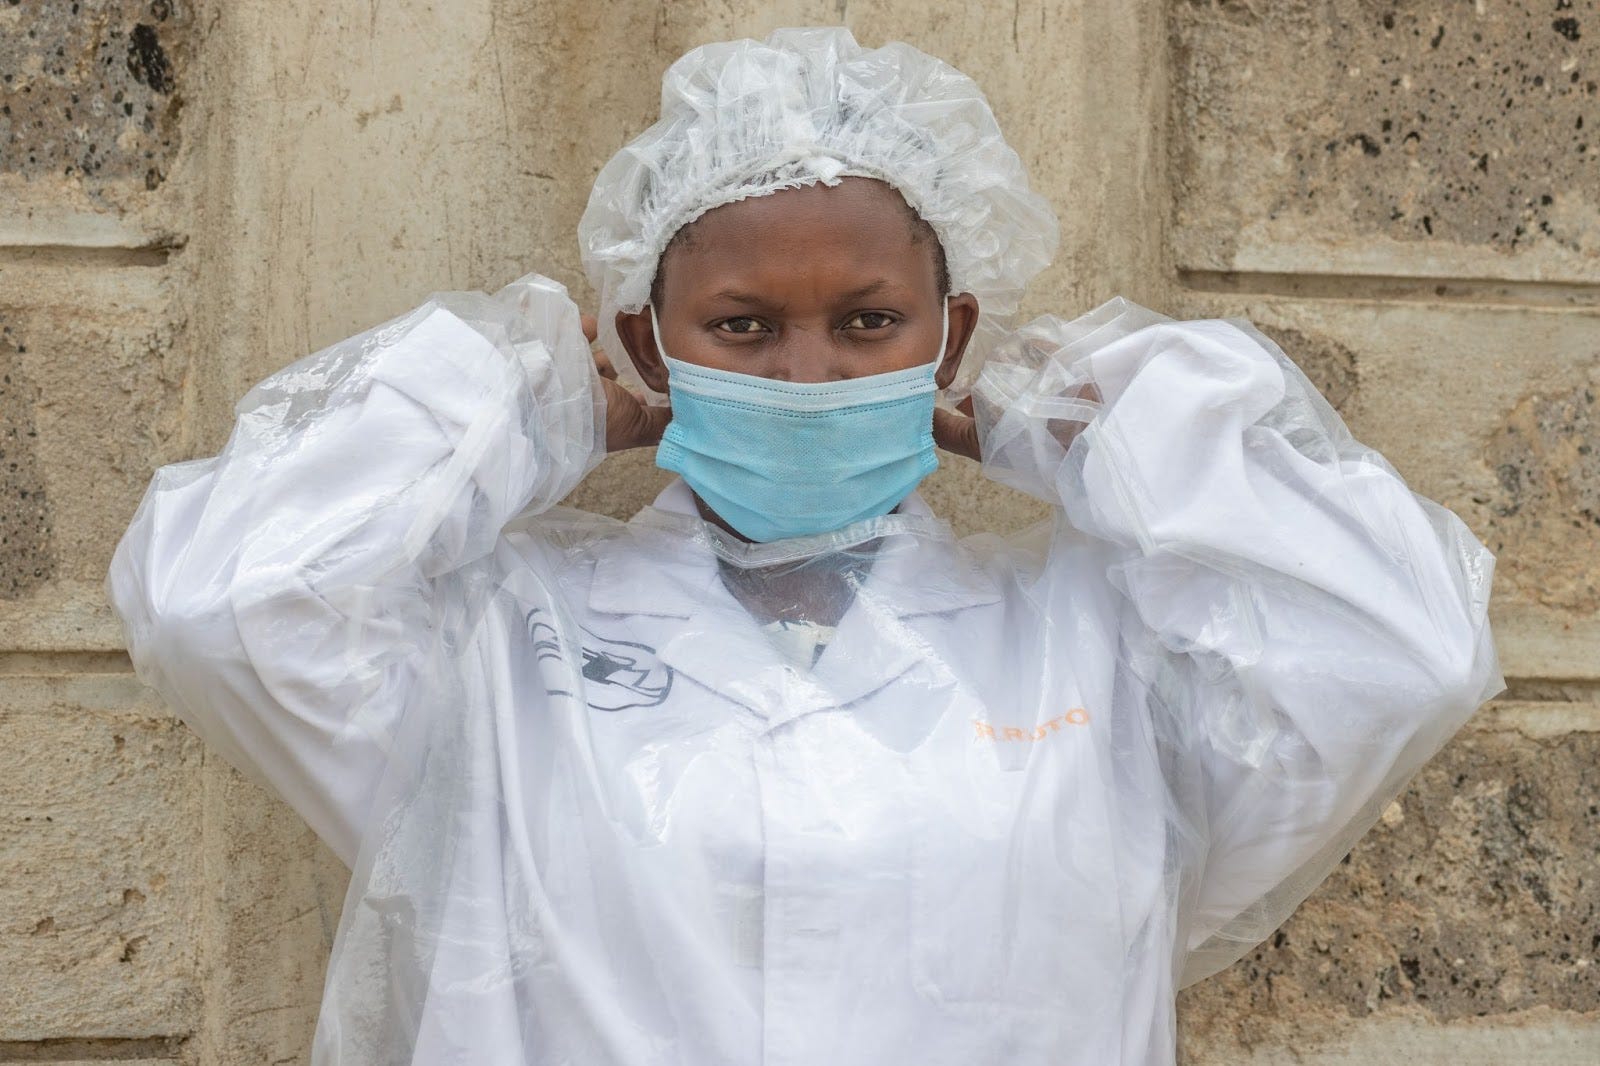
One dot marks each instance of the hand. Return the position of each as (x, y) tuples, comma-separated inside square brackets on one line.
[(630, 422), (957, 432)]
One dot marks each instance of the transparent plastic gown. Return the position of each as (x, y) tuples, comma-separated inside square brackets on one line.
[(637, 793)]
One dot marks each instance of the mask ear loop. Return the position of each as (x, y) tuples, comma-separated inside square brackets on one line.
[(944, 338), (655, 329)]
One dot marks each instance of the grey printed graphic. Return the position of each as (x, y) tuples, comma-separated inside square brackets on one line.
[(617, 674)]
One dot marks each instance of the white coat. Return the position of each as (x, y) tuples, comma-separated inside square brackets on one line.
[(598, 812)]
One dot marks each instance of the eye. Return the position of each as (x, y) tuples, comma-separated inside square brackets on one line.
[(740, 325), (870, 320)]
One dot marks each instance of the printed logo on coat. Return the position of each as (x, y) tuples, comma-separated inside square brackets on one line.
[(1077, 716), (617, 674)]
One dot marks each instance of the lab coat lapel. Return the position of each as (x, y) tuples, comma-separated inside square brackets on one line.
[(878, 640), (719, 646), (706, 635)]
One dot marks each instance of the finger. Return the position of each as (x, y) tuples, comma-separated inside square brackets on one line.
[(591, 327), (965, 407), (1065, 430), (653, 424), (955, 433), (631, 423), (602, 363), (643, 427)]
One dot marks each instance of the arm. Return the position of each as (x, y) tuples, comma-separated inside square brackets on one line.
[(1330, 625), (279, 595)]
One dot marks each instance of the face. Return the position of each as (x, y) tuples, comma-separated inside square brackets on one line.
[(820, 283)]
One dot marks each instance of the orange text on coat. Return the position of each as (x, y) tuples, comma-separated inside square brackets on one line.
[(988, 731)]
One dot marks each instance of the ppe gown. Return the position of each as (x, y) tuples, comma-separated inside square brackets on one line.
[(638, 793)]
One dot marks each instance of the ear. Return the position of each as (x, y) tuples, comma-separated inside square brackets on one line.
[(639, 338), (963, 321)]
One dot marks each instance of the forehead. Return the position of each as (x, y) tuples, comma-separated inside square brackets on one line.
[(858, 224), (851, 195)]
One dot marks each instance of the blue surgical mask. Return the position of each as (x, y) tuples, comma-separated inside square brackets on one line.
[(782, 459)]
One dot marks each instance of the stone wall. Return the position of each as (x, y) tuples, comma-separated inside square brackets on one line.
[(1408, 196), (192, 194)]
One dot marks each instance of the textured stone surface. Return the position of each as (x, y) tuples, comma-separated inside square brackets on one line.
[(1478, 893), (100, 840), (71, 616), (26, 561), (1535, 643), (159, 1051), (110, 694), (1329, 364), (271, 936), (1537, 1037), (90, 91), (960, 494), (98, 398), (380, 171), (1546, 458), (1374, 136), (120, 1061)]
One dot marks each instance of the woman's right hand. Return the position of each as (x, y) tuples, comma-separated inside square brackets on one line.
[(630, 421)]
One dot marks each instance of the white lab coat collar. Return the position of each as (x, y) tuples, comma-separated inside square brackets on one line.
[(722, 648)]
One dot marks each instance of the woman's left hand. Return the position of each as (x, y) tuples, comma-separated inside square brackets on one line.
[(957, 431), (630, 421)]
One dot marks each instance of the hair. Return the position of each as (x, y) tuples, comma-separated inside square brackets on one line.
[(922, 233)]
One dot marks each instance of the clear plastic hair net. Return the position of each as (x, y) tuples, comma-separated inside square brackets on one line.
[(748, 118)]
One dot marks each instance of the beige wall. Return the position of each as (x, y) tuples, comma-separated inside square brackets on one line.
[(191, 195)]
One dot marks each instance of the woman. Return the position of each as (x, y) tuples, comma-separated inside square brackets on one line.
[(779, 771)]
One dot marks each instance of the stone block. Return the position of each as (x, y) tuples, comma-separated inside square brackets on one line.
[(1490, 411), (379, 172), (1474, 902), (159, 1051), (280, 891), (92, 386), (100, 837), (112, 695), (1538, 1037), (90, 97), (65, 616), (1354, 136)]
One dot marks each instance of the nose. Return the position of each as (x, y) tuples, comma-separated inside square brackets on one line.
[(810, 356)]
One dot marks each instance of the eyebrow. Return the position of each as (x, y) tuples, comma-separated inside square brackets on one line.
[(749, 299), (869, 289)]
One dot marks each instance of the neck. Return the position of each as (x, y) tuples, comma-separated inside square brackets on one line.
[(819, 589), (715, 519)]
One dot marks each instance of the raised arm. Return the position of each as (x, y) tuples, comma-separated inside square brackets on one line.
[(1327, 627), (279, 595)]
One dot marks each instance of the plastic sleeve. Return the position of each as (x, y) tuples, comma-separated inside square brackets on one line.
[(1328, 627), (279, 595)]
